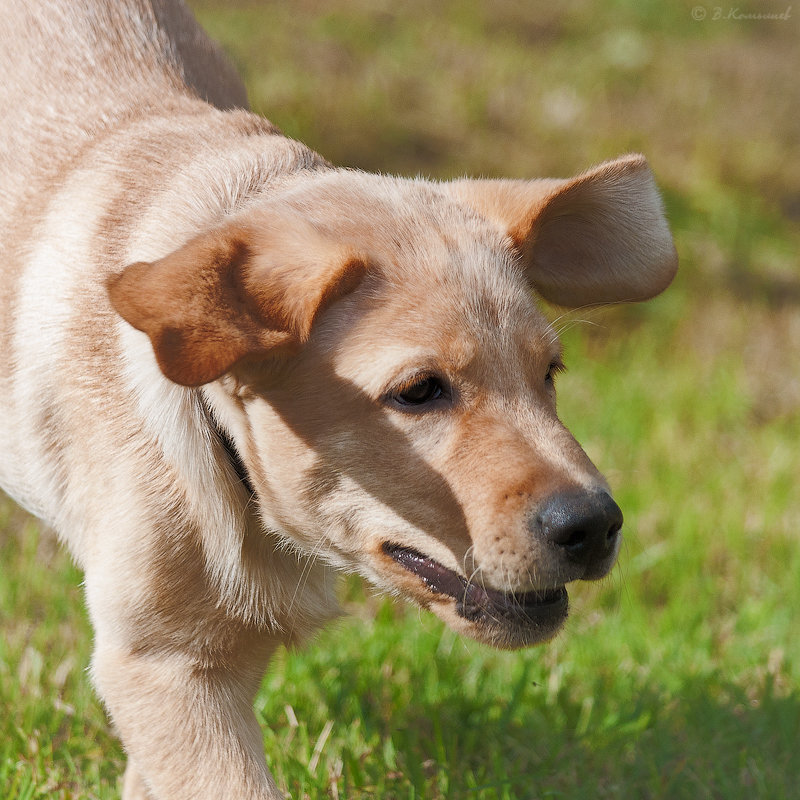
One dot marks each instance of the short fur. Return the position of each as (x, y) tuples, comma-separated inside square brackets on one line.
[(177, 274)]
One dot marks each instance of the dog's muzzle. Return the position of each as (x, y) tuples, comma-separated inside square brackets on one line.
[(577, 533)]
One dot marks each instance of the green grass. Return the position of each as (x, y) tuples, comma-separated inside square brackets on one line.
[(677, 677)]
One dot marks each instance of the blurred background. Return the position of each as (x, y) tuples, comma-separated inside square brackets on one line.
[(676, 677)]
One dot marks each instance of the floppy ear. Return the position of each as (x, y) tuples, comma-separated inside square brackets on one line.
[(240, 290), (598, 238)]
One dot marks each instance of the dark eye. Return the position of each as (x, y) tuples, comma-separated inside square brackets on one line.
[(553, 369), (419, 393)]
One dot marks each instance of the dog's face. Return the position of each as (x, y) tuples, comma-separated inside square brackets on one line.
[(379, 361), (414, 438)]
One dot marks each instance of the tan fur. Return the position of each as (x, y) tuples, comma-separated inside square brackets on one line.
[(175, 272)]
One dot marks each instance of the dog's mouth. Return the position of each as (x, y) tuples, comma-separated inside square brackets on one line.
[(529, 616)]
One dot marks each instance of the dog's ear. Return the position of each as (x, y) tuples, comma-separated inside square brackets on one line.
[(598, 238), (237, 291)]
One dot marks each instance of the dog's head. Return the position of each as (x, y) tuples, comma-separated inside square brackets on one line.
[(373, 349)]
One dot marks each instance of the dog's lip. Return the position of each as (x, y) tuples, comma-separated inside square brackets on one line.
[(479, 603)]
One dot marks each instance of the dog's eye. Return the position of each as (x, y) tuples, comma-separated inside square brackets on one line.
[(553, 369), (419, 393)]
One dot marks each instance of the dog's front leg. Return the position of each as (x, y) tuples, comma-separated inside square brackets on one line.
[(133, 785), (189, 730)]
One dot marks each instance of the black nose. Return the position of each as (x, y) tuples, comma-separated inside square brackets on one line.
[(582, 525)]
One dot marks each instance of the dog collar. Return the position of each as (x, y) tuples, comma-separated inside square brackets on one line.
[(228, 445)]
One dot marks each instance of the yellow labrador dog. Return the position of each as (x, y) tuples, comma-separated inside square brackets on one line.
[(229, 369)]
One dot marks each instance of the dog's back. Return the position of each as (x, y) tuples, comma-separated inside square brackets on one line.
[(72, 68)]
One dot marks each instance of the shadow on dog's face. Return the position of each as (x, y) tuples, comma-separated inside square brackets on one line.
[(390, 386)]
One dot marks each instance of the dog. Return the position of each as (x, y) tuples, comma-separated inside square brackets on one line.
[(230, 370)]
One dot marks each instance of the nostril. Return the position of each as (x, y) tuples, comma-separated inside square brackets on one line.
[(575, 541)]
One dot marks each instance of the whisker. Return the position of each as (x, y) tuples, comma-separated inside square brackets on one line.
[(468, 557)]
